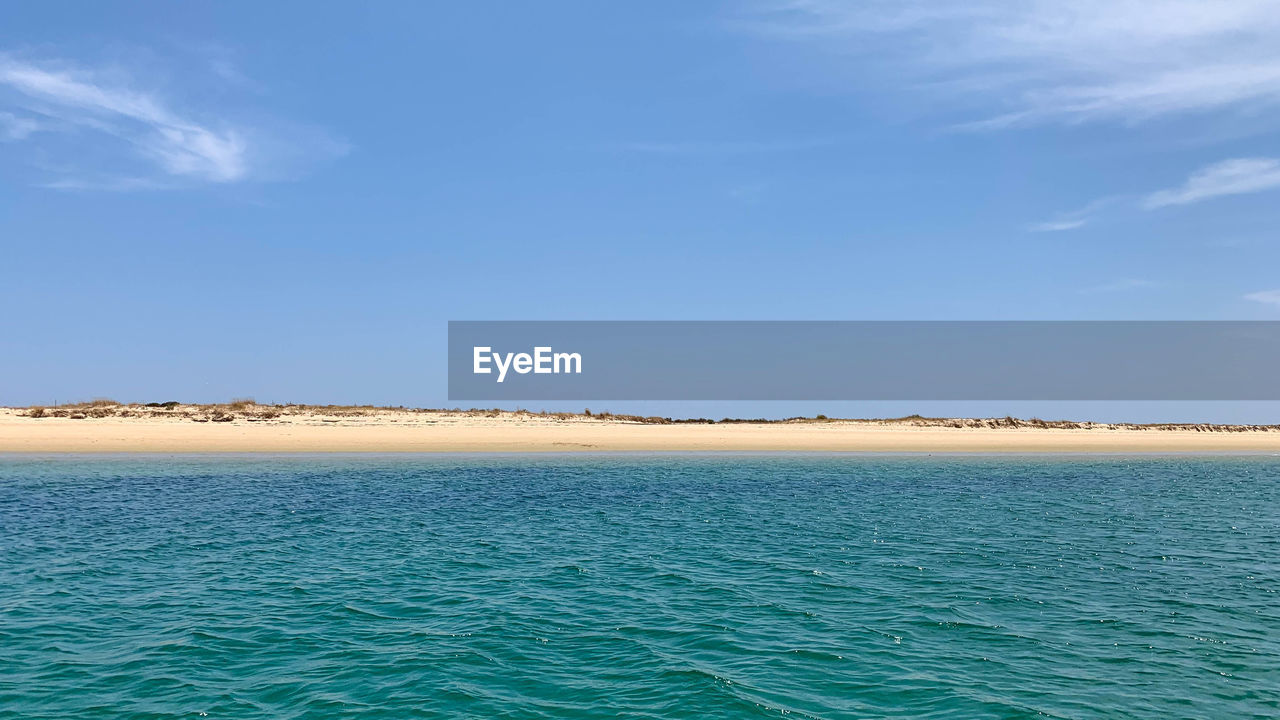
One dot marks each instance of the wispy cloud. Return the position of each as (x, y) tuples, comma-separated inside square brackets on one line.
[(1035, 61), (1073, 219), (1237, 176), (68, 100), (1269, 297), (13, 127), (108, 183), (180, 145), (1058, 225)]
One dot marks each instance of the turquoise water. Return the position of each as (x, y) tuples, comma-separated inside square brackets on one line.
[(641, 587)]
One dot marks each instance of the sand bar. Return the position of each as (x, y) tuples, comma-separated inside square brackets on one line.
[(256, 429)]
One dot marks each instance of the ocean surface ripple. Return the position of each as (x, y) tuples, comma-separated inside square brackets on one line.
[(640, 587)]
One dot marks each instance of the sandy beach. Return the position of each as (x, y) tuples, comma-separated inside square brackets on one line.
[(203, 429)]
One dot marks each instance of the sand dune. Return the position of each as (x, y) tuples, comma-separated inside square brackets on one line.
[(181, 428)]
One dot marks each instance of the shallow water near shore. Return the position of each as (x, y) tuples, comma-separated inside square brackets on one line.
[(640, 586)]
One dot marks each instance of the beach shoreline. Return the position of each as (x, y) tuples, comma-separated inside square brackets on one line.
[(315, 429)]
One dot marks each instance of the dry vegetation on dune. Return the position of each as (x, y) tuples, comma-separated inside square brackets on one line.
[(247, 410), (238, 409)]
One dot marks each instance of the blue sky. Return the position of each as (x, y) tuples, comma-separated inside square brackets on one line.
[(289, 200)]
